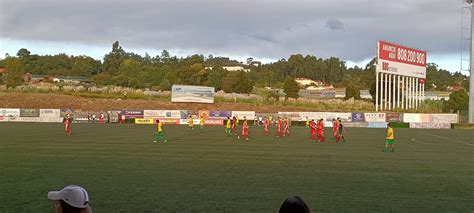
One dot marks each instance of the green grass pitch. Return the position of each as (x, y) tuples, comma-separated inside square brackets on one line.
[(124, 171)]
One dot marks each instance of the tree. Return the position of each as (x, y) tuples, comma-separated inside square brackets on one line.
[(237, 82), (23, 53), (165, 85), (295, 62), (352, 92), (373, 92), (14, 72), (291, 89), (215, 78), (85, 66), (458, 100), (113, 59)]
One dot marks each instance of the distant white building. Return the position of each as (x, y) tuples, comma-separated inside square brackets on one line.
[(306, 82), (231, 68), (365, 94), (437, 95), (235, 68)]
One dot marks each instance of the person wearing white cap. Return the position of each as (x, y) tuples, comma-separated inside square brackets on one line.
[(70, 199)]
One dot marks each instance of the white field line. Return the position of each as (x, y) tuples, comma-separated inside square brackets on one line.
[(470, 144), (418, 141)]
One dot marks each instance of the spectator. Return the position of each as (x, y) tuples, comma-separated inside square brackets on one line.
[(70, 199), (294, 204)]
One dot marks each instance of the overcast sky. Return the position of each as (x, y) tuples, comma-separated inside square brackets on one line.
[(264, 29)]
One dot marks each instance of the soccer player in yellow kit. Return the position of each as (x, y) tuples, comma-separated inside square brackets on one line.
[(190, 123), (389, 139), (228, 126), (201, 123), (160, 133)]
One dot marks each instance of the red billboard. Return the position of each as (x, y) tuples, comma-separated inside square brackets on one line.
[(401, 60)]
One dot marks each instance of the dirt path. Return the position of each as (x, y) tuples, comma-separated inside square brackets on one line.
[(55, 101)]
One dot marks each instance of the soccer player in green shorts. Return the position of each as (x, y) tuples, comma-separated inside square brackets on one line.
[(160, 133), (201, 123), (389, 139), (228, 127)]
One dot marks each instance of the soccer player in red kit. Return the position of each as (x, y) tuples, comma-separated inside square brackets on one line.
[(312, 129), (278, 127), (67, 124), (320, 130), (245, 129), (335, 128), (286, 128), (101, 118), (234, 125), (266, 124)]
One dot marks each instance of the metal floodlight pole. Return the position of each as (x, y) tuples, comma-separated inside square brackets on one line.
[(471, 77), (399, 90), (389, 90), (403, 92), (394, 104), (376, 91)]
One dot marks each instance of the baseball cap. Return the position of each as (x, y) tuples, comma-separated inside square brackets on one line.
[(75, 196)]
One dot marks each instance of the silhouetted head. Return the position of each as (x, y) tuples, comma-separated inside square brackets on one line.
[(294, 204)]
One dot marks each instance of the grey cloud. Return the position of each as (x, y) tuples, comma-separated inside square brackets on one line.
[(261, 29), (334, 24)]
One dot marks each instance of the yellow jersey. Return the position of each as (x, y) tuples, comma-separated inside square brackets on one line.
[(307, 122), (160, 127), (228, 124), (201, 121), (190, 122), (390, 133), (237, 121)]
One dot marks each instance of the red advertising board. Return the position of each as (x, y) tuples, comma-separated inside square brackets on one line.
[(401, 60)]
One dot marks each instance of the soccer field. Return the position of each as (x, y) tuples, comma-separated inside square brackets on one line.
[(207, 171)]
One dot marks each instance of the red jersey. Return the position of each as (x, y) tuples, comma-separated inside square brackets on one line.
[(266, 123), (312, 125), (335, 126), (320, 126)]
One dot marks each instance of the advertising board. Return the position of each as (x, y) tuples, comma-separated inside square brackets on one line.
[(356, 124), (204, 114), (132, 113), (358, 117), (144, 121), (345, 117), (294, 116), (411, 117), (377, 125), (374, 117), (193, 94), (328, 124), (312, 115), (394, 117), (430, 125), (162, 114), (444, 118), (401, 60), (114, 116), (250, 115), (7, 112), (220, 114), (29, 112), (49, 113)]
